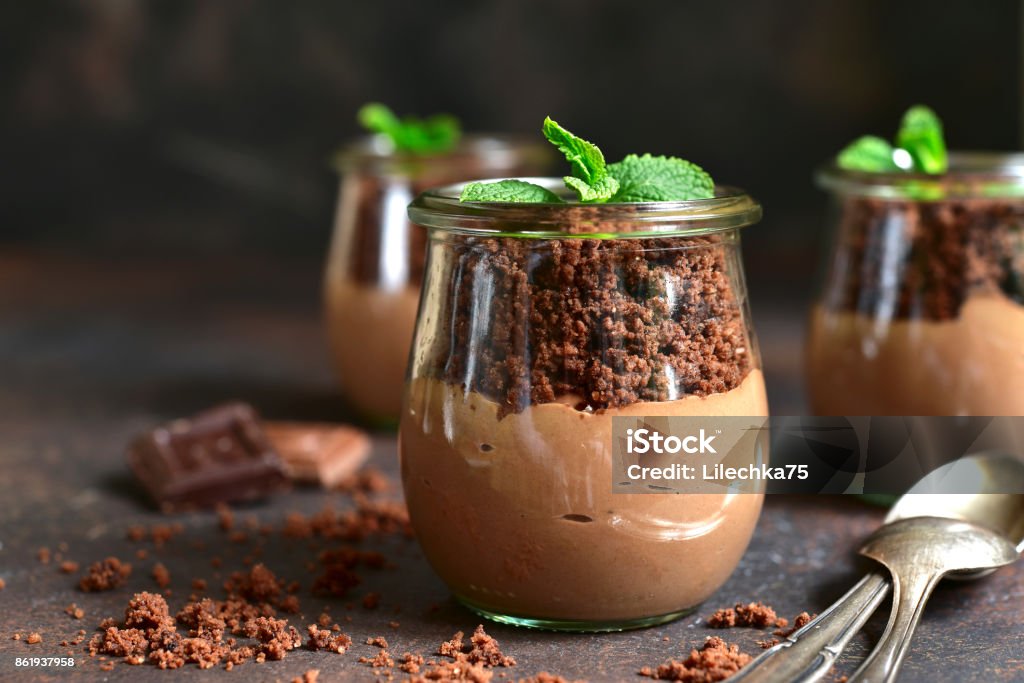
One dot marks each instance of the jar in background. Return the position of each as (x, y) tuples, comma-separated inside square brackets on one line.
[(375, 263), (538, 324), (921, 309)]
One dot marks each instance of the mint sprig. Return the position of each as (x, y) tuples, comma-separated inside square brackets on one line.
[(634, 179), (433, 135), (920, 147), (589, 177)]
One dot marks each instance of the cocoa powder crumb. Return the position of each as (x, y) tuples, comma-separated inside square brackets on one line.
[(411, 663), (801, 620), (379, 661), (377, 641), (754, 614), (3, 584), (225, 518), (74, 611), (275, 635), (321, 639), (715, 661), (43, 554), (34, 638), (309, 676), (161, 575), (105, 575), (68, 567)]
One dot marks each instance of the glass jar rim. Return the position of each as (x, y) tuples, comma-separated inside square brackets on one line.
[(440, 208), (971, 175), (493, 150)]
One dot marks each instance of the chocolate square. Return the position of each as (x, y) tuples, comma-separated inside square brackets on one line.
[(218, 456)]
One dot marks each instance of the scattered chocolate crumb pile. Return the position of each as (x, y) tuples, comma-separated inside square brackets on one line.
[(946, 250), (106, 575), (754, 614), (758, 615), (150, 634), (716, 660), (606, 322)]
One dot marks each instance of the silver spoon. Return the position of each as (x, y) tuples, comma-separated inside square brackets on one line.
[(919, 552), (810, 653)]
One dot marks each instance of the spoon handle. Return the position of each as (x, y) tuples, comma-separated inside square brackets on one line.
[(910, 593), (808, 654)]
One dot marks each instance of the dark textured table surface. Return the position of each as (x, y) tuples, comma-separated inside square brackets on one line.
[(91, 352)]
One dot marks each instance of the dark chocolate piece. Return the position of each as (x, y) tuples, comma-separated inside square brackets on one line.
[(218, 456)]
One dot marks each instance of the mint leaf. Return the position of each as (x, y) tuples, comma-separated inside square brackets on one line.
[(869, 153), (660, 179), (507, 191), (601, 191), (921, 135), (586, 159), (418, 136)]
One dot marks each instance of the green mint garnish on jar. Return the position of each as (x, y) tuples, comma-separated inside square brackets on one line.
[(919, 147), (435, 135), (644, 178)]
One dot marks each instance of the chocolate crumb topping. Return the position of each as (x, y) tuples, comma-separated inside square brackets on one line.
[(924, 258), (605, 323)]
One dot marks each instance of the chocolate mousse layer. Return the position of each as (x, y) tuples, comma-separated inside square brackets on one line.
[(922, 311)]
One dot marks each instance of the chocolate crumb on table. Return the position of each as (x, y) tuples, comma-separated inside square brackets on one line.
[(323, 639), (381, 660), (411, 663), (34, 638), (106, 575), (309, 676), (716, 660), (754, 614), (801, 620), (377, 641), (161, 575), (68, 567), (74, 611), (545, 677), (3, 584)]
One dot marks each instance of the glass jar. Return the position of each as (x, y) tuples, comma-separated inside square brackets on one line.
[(538, 324), (921, 308), (375, 263)]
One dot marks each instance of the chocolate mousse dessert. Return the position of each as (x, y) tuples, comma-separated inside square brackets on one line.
[(922, 308), (375, 264), (541, 323)]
